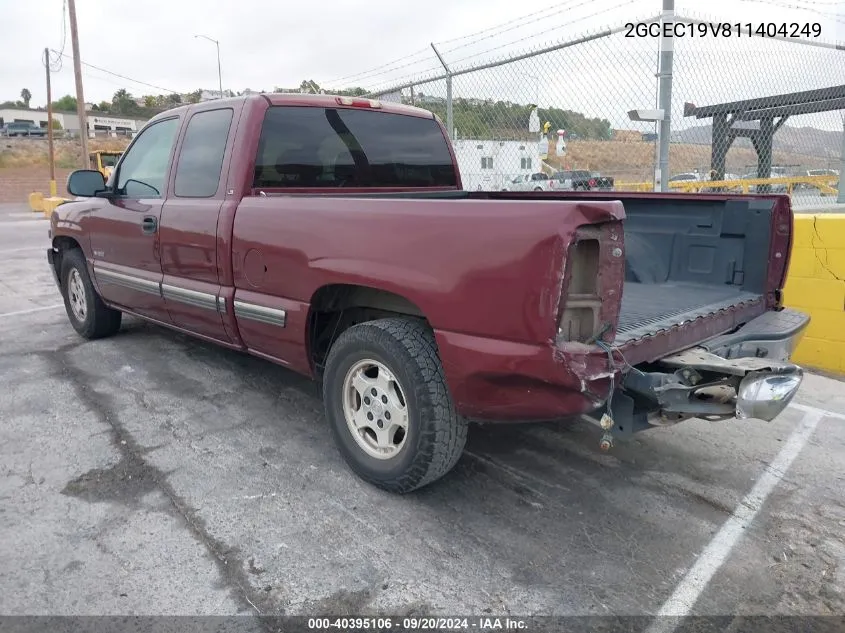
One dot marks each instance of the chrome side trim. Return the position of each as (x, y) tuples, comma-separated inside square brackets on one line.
[(194, 298), (262, 314), (221, 305), (127, 281)]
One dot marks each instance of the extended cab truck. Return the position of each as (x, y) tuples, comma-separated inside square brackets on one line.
[(331, 235)]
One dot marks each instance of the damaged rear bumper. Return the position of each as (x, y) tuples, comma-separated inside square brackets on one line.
[(742, 375)]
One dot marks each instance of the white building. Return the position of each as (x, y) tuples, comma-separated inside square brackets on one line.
[(490, 165), (98, 124)]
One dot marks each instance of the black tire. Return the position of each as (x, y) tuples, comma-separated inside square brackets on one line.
[(99, 319), (436, 434), (538, 188)]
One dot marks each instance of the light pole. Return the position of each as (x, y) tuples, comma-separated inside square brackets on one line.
[(661, 171), (219, 73)]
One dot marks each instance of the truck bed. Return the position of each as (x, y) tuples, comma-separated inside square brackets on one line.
[(649, 308)]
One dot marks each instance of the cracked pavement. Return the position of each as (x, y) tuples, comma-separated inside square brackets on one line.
[(150, 473)]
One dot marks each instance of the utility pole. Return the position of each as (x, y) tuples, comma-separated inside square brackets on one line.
[(52, 156), (77, 72), (664, 78), (450, 122)]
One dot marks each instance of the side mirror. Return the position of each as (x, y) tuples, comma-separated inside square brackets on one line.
[(85, 183)]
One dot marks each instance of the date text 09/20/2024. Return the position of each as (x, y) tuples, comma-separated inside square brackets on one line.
[(723, 29), (421, 623)]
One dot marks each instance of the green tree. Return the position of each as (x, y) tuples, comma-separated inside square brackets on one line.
[(57, 124), (194, 97), (149, 101), (66, 104), (174, 99), (123, 102), (309, 86), (26, 95)]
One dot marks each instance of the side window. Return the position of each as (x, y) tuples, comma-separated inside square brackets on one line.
[(143, 172), (201, 155), (486, 162)]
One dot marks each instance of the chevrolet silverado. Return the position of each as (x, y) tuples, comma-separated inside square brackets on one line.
[(331, 235)]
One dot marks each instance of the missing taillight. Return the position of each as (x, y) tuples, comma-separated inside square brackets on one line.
[(581, 301)]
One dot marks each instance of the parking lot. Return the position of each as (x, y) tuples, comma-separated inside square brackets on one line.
[(150, 473)]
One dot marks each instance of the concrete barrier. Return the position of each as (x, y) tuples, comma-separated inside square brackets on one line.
[(36, 201), (51, 203), (816, 285)]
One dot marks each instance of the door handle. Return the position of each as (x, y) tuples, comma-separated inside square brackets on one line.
[(149, 225)]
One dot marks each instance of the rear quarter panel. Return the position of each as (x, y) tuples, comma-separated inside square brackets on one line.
[(492, 269)]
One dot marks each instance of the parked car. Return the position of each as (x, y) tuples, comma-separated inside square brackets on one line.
[(833, 182), (17, 128), (331, 235), (529, 182), (581, 180), (772, 188), (685, 177)]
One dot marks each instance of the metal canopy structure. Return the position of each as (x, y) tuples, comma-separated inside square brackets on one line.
[(755, 119)]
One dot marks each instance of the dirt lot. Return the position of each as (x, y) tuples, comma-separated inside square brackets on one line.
[(150, 473), (24, 164)]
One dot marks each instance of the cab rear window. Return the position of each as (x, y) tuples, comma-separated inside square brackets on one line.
[(337, 147)]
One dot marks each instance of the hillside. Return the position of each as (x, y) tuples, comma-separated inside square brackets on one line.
[(633, 161), (802, 140), (24, 152)]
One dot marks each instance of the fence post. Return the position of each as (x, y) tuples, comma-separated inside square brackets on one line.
[(450, 122), (664, 77), (840, 197)]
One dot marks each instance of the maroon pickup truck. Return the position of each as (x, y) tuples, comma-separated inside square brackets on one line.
[(331, 235)]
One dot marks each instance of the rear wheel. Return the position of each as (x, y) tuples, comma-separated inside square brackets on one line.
[(389, 407), (538, 188), (88, 315)]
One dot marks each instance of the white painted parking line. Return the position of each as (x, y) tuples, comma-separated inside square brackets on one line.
[(681, 602), (33, 222), (808, 409), (31, 310), (28, 249)]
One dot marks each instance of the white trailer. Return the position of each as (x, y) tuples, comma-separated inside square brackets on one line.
[(490, 165)]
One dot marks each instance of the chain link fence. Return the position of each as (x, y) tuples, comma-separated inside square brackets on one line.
[(558, 117)]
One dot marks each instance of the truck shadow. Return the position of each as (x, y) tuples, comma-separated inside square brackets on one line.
[(534, 506)]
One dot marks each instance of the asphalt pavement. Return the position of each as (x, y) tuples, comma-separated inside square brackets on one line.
[(150, 473)]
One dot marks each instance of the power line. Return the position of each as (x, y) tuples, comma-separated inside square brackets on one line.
[(56, 65), (501, 28), (422, 80), (371, 70), (512, 27), (527, 37), (109, 72), (837, 17), (500, 25)]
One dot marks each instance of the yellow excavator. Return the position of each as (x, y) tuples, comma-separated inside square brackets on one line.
[(104, 161)]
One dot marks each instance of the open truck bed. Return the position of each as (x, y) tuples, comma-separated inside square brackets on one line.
[(650, 308)]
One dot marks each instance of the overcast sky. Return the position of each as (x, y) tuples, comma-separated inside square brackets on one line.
[(266, 44)]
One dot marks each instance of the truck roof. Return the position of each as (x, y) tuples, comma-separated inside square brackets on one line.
[(296, 99)]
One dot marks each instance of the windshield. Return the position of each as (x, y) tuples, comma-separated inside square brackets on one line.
[(109, 160)]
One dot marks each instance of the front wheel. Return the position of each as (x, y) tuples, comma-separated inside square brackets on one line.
[(388, 405), (88, 315)]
